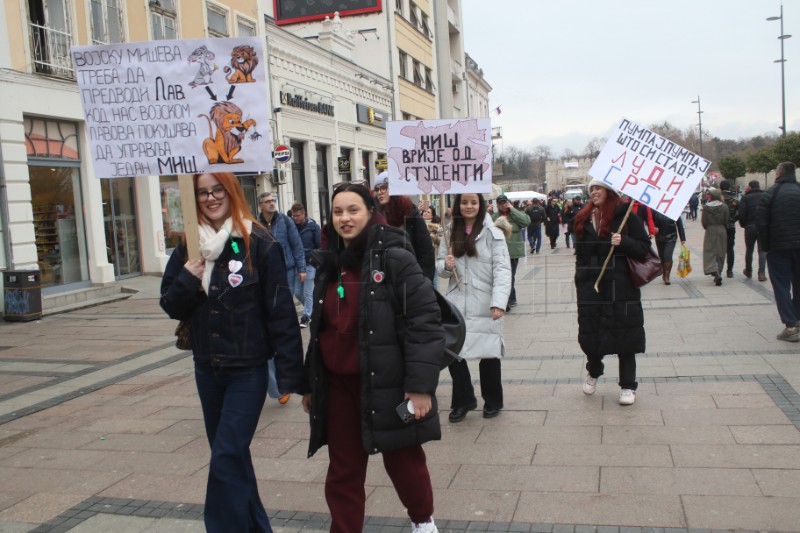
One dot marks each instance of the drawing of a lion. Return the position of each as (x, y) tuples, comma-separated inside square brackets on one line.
[(243, 63), (222, 146)]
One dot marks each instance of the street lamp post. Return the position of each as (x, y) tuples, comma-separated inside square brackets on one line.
[(782, 61), (699, 122)]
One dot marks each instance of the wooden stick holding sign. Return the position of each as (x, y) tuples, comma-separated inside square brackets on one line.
[(191, 230), (611, 250), (443, 207)]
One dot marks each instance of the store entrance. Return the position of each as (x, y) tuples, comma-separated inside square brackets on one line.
[(121, 227)]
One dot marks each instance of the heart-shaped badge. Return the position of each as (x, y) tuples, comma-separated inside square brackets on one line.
[(234, 266), (235, 279)]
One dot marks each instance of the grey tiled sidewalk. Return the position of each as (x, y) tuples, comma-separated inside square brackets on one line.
[(101, 430)]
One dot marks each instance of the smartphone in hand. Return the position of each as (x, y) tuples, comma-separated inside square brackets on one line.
[(405, 411)]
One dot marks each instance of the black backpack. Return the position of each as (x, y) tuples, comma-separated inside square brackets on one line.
[(536, 214)]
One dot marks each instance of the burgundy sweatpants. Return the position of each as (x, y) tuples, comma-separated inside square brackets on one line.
[(347, 471)]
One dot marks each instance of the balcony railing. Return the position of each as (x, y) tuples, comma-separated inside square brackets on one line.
[(50, 49)]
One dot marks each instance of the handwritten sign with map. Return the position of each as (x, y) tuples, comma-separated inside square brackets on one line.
[(175, 107), (649, 168), (451, 156)]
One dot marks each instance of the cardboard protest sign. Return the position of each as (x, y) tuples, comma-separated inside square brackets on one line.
[(175, 107), (450, 156), (649, 168)]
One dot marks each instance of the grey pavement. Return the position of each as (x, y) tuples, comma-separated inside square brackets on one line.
[(101, 429)]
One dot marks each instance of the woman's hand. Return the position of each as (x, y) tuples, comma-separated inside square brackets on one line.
[(307, 402), (616, 238), (196, 267), (422, 403), (497, 313), (450, 262)]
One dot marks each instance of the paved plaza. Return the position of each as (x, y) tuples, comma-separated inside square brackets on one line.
[(101, 428)]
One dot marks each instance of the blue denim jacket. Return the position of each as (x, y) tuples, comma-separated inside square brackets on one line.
[(242, 325)]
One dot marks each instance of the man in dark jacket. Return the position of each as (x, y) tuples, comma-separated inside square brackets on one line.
[(747, 219), (310, 236), (733, 210), (536, 213), (778, 224)]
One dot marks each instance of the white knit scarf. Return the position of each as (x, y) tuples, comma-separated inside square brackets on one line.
[(212, 243)]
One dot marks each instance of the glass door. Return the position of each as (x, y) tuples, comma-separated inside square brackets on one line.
[(121, 226)]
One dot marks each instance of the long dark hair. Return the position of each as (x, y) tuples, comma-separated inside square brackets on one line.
[(338, 255), (460, 242), (607, 211)]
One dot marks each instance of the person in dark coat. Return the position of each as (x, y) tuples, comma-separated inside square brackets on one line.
[(553, 221), (747, 220), (778, 223), (365, 360), (667, 233), (571, 209), (610, 321), (401, 212), (241, 313), (732, 202), (694, 202)]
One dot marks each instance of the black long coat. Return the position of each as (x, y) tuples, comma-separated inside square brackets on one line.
[(392, 363), (611, 321)]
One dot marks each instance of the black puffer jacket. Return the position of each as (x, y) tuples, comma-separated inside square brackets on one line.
[(239, 326), (778, 215), (748, 207), (417, 229), (391, 363), (611, 321)]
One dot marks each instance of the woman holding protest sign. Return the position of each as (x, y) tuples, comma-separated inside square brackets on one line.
[(478, 268), (610, 319), (240, 313), (372, 368)]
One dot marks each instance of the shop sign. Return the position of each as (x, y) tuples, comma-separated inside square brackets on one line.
[(300, 102), (344, 165), (381, 164), (282, 153), (372, 116)]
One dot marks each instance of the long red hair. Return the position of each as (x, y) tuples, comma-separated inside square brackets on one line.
[(397, 210), (607, 211), (239, 210)]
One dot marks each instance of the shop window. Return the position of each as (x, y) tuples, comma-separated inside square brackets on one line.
[(171, 215), (107, 21)]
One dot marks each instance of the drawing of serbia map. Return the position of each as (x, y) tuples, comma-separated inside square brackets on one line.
[(440, 156)]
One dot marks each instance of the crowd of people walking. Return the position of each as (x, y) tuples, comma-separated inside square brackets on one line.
[(366, 279)]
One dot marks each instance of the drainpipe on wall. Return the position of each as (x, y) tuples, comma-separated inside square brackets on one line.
[(389, 26)]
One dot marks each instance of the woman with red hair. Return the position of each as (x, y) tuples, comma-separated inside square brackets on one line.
[(241, 312), (611, 320)]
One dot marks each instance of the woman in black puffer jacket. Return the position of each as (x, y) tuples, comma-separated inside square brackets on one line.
[(364, 361)]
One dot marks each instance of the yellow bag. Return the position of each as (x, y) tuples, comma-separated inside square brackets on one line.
[(684, 266)]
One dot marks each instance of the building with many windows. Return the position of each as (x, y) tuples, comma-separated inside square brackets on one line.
[(334, 82)]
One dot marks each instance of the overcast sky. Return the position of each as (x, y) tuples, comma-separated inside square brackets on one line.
[(563, 71)]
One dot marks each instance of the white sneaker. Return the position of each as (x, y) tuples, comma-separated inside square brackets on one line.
[(424, 527), (589, 385), (627, 397)]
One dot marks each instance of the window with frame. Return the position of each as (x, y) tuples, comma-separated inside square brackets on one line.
[(403, 65), (245, 27), (398, 7), (217, 21), (413, 17), (429, 80), (107, 26), (426, 29), (417, 73), (164, 19)]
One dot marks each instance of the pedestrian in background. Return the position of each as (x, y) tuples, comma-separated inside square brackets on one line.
[(240, 313), (610, 320), (732, 202), (694, 202), (667, 233), (537, 215), (401, 212), (553, 221), (478, 270), (283, 230), (516, 244), (571, 208), (310, 236), (715, 241), (747, 219), (361, 369), (778, 225)]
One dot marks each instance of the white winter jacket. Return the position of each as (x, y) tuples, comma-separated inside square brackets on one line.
[(485, 283)]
